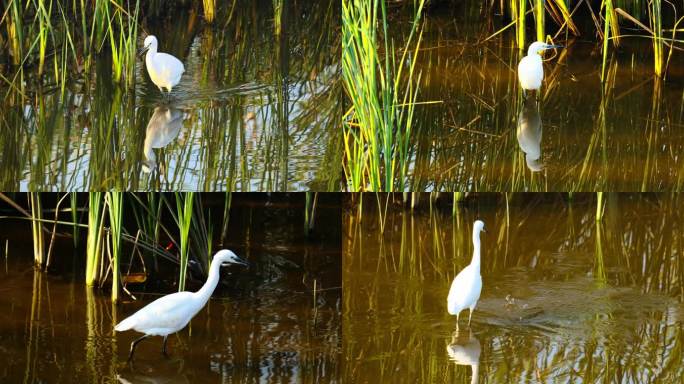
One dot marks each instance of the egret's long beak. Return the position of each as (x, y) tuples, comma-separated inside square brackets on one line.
[(484, 229), (549, 46), (142, 50), (240, 261)]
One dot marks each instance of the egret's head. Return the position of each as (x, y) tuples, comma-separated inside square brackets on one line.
[(227, 257), (479, 226), (538, 47), (149, 43)]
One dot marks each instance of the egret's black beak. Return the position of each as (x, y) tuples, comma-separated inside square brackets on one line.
[(555, 46), (484, 229), (239, 261), (142, 50)]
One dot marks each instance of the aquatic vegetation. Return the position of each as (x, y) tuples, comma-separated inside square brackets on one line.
[(295, 279), (583, 295), (184, 213), (263, 113), (593, 114), (383, 93), (94, 240), (114, 202)]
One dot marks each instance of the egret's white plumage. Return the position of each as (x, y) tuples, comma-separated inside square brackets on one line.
[(531, 68), (466, 287), (529, 134), (171, 313), (164, 126), (165, 70)]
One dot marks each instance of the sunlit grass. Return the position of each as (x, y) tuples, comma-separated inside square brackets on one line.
[(383, 95)]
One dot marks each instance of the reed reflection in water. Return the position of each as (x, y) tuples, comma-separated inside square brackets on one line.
[(565, 298), (260, 98)]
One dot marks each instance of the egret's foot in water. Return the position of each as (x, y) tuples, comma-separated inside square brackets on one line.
[(133, 345), (164, 347)]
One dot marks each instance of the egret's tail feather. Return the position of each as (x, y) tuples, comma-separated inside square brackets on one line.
[(125, 325)]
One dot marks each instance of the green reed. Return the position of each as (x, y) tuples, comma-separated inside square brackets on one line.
[(383, 95), (46, 29), (114, 202), (184, 211), (94, 240), (655, 18), (92, 121), (37, 229), (424, 251)]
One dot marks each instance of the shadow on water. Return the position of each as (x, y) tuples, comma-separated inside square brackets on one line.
[(262, 324), (564, 298), (259, 96), (619, 136)]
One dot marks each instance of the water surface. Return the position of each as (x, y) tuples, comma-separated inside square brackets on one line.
[(256, 109), (564, 299), (624, 135), (263, 324)]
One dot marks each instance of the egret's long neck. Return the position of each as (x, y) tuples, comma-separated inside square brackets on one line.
[(150, 53), (212, 281), (476, 250)]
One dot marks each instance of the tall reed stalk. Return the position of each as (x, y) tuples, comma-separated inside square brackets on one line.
[(94, 240), (383, 93), (209, 10), (655, 18), (37, 229), (539, 12), (114, 204), (518, 14), (184, 211)]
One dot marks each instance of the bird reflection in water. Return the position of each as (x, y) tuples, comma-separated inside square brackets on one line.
[(529, 133), (465, 350), (164, 126)]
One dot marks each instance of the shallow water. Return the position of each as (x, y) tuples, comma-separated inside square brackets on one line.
[(256, 109), (563, 299), (482, 136), (263, 324)]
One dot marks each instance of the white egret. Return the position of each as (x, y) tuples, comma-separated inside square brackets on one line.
[(165, 70), (529, 134), (466, 287), (531, 68), (171, 313), (164, 126)]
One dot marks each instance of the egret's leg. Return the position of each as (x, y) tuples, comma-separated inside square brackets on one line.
[(457, 321), (164, 347), (470, 315), (133, 345)]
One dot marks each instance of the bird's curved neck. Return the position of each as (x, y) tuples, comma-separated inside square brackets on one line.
[(150, 53), (212, 281), (476, 250)]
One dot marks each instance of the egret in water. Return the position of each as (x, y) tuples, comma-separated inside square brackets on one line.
[(165, 70), (171, 313), (531, 69), (466, 287)]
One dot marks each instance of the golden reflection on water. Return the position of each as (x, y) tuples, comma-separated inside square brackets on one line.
[(564, 297)]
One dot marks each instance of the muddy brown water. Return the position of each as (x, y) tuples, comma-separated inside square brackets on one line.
[(580, 136), (564, 299), (262, 324)]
